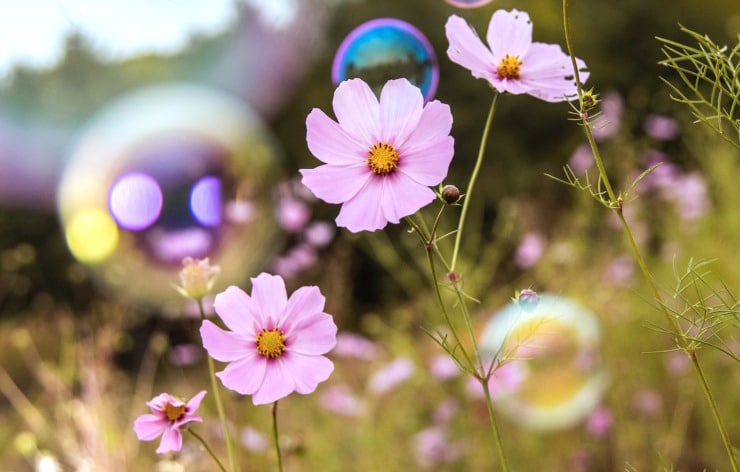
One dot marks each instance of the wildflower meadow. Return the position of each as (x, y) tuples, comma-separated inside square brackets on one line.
[(367, 235)]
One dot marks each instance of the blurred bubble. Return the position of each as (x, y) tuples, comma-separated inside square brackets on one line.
[(151, 180), (556, 346), (384, 49), (468, 3)]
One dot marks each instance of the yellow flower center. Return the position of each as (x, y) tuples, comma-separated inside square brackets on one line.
[(382, 158), (174, 412), (509, 67), (271, 344)]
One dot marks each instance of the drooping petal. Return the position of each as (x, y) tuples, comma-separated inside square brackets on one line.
[(401, 105), (335, 184), (237, 310), (171, 441), (268, 292), (467, 49), (303, 303), (548, 73), (308, 371), (330, 143), (148, 427), (244, 376), (363, 211), (357, 110), (316, 335), (509, 33), (225, 346), (279, 383)]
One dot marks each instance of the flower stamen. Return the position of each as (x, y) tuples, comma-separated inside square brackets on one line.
[(382, 158), (174, 412), (509, 67), (270, 344)]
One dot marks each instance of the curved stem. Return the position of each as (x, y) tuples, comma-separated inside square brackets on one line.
[(217, 397), (275, 437), (471, 184), (616, 204), (208, 448)]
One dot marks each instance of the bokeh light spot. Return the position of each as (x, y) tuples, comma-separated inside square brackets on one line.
[(384, 49), (135, 201), (205, 201), (92, 235)]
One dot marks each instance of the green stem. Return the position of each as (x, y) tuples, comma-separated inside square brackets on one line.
[(494, 427), (219, 404), (471, 184), (208, 448), (715, 411), (616, 204), (275, 437)]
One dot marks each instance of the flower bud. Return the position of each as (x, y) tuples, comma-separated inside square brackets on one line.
[(450, 194), (528, 299), (197, 277)]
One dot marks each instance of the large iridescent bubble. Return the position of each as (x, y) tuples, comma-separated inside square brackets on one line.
[(384, 49), (168, 172), (554, 350)]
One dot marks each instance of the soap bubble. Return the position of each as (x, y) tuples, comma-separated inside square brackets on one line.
[(151, 180), (468, 3), (555, 350), (384, 49)]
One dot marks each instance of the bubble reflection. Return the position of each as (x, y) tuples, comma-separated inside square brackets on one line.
[(468, 3), (556, 344), (135, 201), (150, 180), (384, 49)]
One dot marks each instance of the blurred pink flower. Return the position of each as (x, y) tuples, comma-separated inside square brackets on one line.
[(276, 344), (168, 415), (582, 159), (319, 234), (530, 250), (253, 440), (446, 411), (647, 402), (506, 379), (443, 367), (184, 354), (661, 127), (381, 156), (433, 447), (391, 375), (292, 214), (677, 363), (600, 422), (340, 399), (606, 125), (512, 62), (298, 258), (354, 345)]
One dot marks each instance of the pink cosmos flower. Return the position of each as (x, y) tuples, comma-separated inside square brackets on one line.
[(167, 417), (512, 62), (276, 344), (380, 156)]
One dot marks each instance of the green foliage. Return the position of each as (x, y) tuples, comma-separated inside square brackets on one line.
[(710, 82)]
